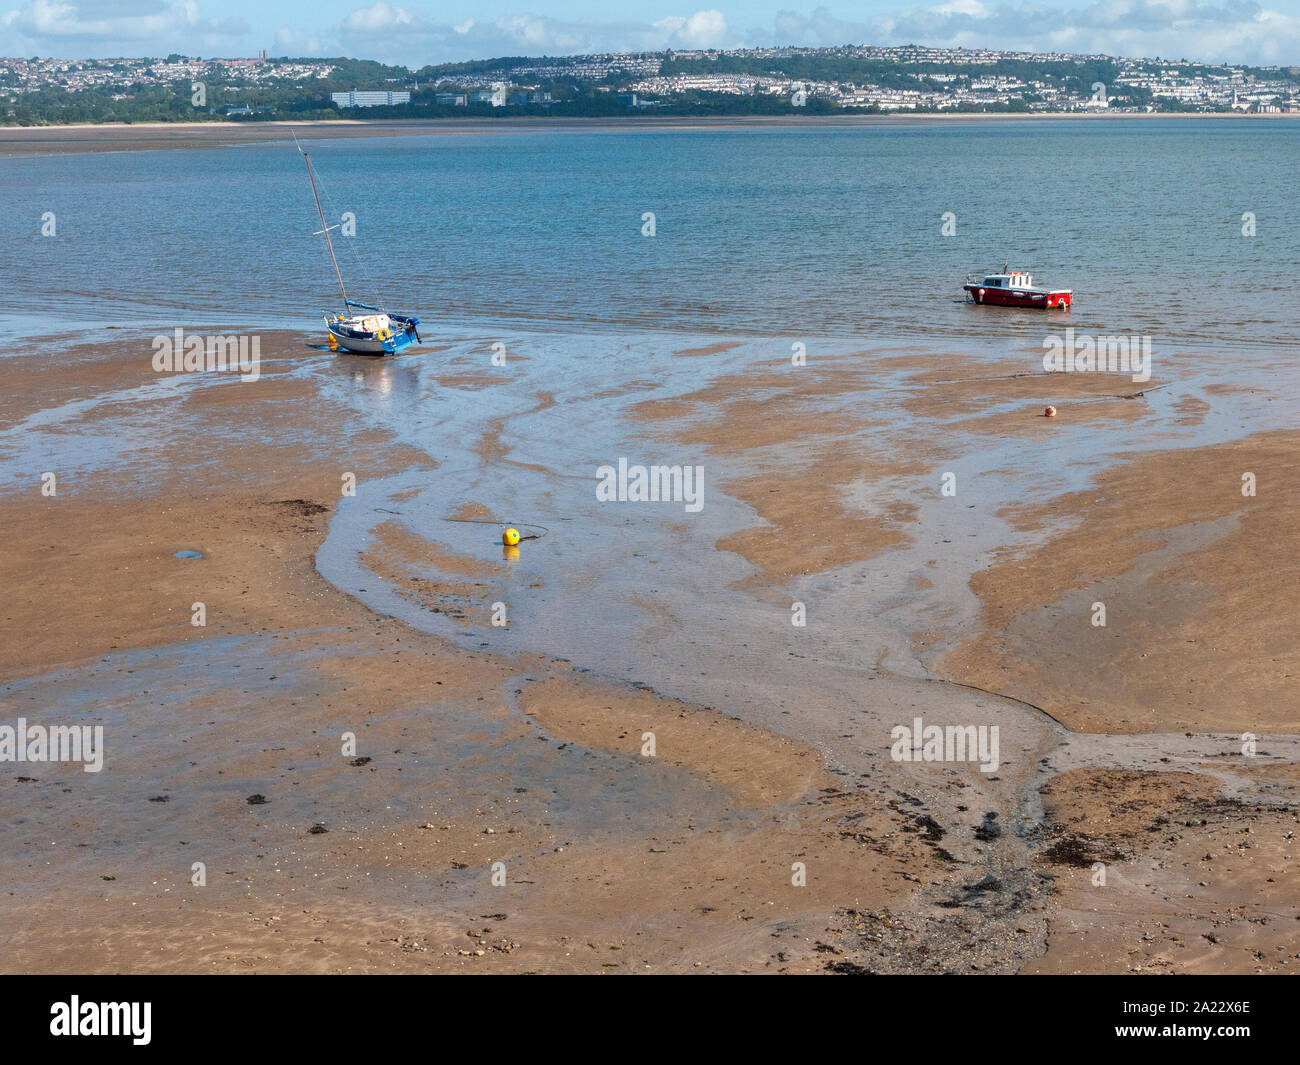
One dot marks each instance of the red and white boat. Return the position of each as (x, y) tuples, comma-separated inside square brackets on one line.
[(1015, 288)]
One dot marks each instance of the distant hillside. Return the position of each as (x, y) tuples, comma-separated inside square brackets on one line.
[(860, 78)]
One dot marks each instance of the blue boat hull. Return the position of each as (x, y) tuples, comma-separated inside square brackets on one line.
[(371, 344), (386, 342)]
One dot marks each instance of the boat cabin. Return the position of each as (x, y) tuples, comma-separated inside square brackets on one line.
[(1015, 288), (1015, 279)]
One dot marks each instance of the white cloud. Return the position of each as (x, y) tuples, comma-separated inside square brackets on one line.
[(1233, 31), (1226, 31), (704, 29), (369, 32), (1214, 30), (963, 7), (92, 24), (378, 17), (537, 34), (292, 42)]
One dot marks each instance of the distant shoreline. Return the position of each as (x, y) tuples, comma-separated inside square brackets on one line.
[(157, 136)]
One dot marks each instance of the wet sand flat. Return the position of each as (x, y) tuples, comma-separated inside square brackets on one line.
[(379, 859), (1194, 576), (496, 807)]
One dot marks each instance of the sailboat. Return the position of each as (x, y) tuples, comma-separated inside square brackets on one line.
[(375, 331)]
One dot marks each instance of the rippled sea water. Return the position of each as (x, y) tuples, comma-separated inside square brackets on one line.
[(782, 232)]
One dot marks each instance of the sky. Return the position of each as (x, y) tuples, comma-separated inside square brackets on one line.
[(414, 33)]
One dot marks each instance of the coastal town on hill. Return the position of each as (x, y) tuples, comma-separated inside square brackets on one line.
[(858, 78)]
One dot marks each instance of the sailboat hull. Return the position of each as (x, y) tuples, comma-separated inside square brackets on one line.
[(372, 345)]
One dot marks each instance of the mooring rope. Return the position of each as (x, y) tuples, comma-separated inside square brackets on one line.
[(507, 525)]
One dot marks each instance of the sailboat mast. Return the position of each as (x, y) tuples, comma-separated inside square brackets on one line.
[(325, 226)]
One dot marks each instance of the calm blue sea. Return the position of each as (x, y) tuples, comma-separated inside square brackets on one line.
[(763, 232)]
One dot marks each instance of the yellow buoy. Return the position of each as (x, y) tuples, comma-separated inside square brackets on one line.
[(511, 537), (334, 344)]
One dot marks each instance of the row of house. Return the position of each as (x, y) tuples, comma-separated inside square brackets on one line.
[(497, 96), (76, 75)]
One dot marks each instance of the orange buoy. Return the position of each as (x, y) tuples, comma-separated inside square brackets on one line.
[(1050, 412)]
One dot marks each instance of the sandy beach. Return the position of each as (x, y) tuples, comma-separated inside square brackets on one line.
[(161, 136), (556, 756), (497, 810)]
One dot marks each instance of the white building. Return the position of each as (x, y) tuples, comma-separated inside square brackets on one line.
[(496, 96), (371, 99)]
